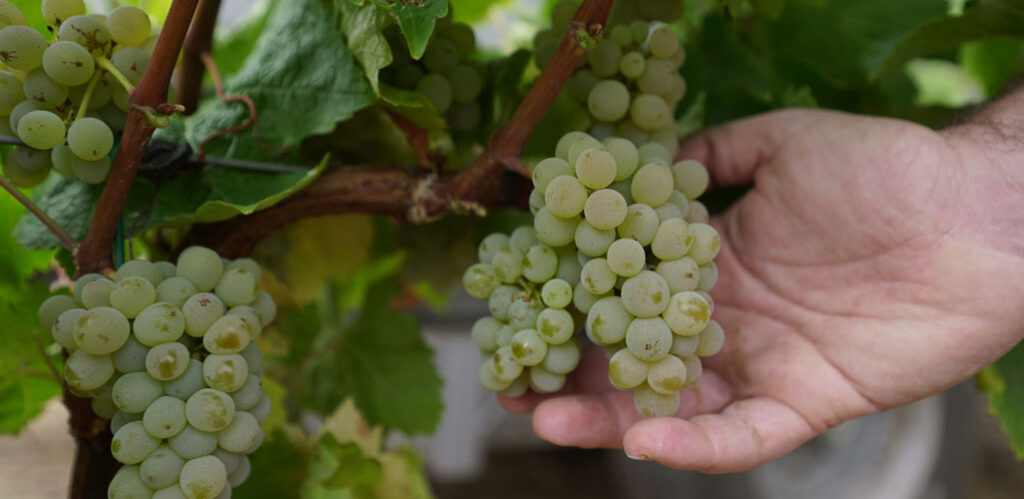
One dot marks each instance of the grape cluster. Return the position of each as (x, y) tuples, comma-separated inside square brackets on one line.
[(528, 338), (166, 352), (67, 97), (445, 74), (631, 84), (622, 237)]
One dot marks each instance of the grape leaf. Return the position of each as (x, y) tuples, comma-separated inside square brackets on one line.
[(278, 468), (1003, 381), (338, 470), (302, 78), (417, 21), (362, 25), (325, 249), (993, 62), (231, 49), (211, 195), (770, 8)]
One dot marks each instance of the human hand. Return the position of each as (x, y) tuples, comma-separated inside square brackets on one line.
[(873, 263)]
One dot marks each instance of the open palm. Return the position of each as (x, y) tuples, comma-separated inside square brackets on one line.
[(871, 265)]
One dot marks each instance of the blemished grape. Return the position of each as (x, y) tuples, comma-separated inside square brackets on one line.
[(557, 293), (57, 11), (101, 331), (645, 294), (161, 468), (680, 275), (43, 91), (131, 62), (85, 31), (229, 334), (608, 320), (132, 444), (672, 240), (41, 129), (626, 371), (22, 47), (540, 263), (90, 139), (201, 311), (85, 371), (608, 100), (706, 243), (129, 26), (68, 63), (687, 313), (650, 403), (597, 276), (167, 361), (165, 417), (132, 295), (209, 410), (649, 339), (203, 478)]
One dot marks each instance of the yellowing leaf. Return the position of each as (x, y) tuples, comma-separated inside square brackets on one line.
[(325, 249), (347, 424)]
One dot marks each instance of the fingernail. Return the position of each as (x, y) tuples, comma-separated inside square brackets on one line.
[(637, 457)]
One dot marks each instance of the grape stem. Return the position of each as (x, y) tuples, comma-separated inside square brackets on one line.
[(189, 77), (83, 107), (65, 239), (496, 178), (109, 67)]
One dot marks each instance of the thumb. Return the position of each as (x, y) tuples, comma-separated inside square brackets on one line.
[(733, 152)]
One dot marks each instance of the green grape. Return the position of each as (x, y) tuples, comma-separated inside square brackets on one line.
[(667, 376), (684, 346), (504, 364), (229, 334), (122, 418), (175, 290), (664, 42), (23, 47), (528, 348), (201, 311), (191, 442), (57, 11), (581, 83), (63, 329), (132, 444), (164, 418), (188, 382), (203, 478), (209, 410), (626, 371), (565, 197), (632, 64), (90, 139), (650, 403), (522, 313), (52, 308), (567, 141), (711, 340), (172, 492), (135, 391), (119, 95), (629, 131), (43, 91), (249, 394), (687, 313), (553, 230), (591, 241), (694, 369), (131, 62), (673, 239), (11, 15), (562, 358), (169, 270), (597, 276), (652, 184), (167, 361), (438, 90), (139, 268), (659, 77), (237, 287), (641, 223), (556, 293), (608, 100), (103, 402), (544, 381), (127, 484), (467, 82), (604, 58), (639, 29), (113, 116), (650, 112), (480, 281), (131, 357), (68, 63), (85, 371), (11, 92), (595, 168), (21, 174), (500, 300), (706, 243), (540, 263), (489, 380), (242, 435), (508, 265), (707, 298), (602, 131), (523, 238), (485, 333), (132, 295), (547, 170), (554, 325), (678, 200), (441, 56), (691, 178), (265, 307), (162, 467), (698, 213), (667, 138), (605, 210), (90, 172), (626, 257), (708, 277), (128, 25), (462, 36), (464, 116), (583, 299), (579, 147), (490, 245), (262, 409), (41, 129), (645, 294), (608, 320), (79, 286), (202, 266), (517, 388), (85, 31), (649, 339), (622, 35), (668, 211), (225, 372), (569, 267), (101, 331), (61, 157), (680, 275)]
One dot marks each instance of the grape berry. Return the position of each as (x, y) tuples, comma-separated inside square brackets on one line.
[(166, 352)]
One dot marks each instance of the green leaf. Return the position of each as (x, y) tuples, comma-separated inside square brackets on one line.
[(211, 195), (770, 8), (984, 19), (368, 350), (231, 49), (413, 105), (302, 78), (417, 21), (278, 469), (1003, 381), (339, 470), (993, 62), (362, 26)]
